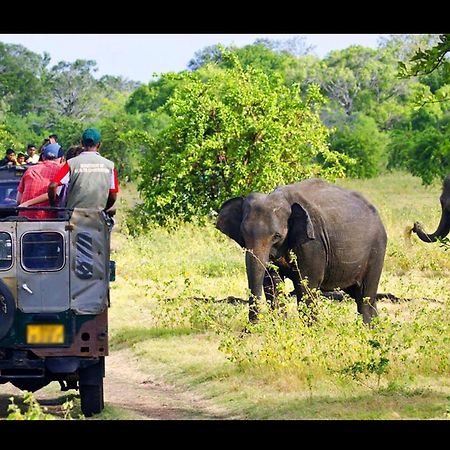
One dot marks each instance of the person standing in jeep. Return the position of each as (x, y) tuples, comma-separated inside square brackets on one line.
[(32, 189), (91, 178)]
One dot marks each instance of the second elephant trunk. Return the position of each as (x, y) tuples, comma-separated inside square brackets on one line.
[(442, 230)]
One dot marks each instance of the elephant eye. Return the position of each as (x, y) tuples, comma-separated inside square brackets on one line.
[(276, 236)]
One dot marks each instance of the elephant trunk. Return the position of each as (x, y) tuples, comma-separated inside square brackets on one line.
[(255, 262), (442, 230)]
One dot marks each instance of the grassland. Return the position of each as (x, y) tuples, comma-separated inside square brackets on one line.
[(336, 369)]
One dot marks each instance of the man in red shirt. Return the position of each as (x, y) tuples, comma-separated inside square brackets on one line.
[(32, 190)]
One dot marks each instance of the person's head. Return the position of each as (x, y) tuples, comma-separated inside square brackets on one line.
[(50, 152), (10, 154), (73, 151), (21, 158), (53, 138), (45, 142), (91, 138), (31, 149)]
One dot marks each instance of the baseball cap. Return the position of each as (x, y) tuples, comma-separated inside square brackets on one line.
[(91, 136), (51, 151)]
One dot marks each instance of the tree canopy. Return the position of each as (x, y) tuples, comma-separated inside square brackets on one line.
[(238, 131), (242, 119)]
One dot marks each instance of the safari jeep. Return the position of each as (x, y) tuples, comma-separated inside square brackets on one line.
[(54, 298)]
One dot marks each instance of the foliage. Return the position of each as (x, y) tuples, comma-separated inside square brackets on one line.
[(295, 46), (37, 99), (420, 142), (236, 132), (207, 55), (64, 99), (360, 139), (35, 411), (74, 90), (124, 142), (7, 139), (444, 243), (427, 61), (150, 97), (21, 73)]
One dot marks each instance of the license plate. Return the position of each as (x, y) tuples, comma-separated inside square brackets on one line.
[(45, 334)]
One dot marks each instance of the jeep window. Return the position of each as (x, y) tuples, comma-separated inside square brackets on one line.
[(84, 260), (5, 251), (42, 251), (8, 193)]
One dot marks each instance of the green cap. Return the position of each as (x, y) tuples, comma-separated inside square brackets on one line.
[(91, 136)]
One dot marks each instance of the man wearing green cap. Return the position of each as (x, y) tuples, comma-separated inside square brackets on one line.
[(91, 179)]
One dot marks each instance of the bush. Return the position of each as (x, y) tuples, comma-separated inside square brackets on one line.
[(233, 131)]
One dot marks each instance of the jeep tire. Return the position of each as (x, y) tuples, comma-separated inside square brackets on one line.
[(91, 388)]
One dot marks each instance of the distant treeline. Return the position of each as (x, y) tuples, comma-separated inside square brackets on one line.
[(239, 119)]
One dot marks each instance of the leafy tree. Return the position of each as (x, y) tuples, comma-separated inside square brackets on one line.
[(209, 54), (360, 139), (150, 97), (427, 61), (295, 46), (74, 91), (238, 131), (403, 46), (6, 140), (125, 142), (270, 56), (22, 130), (111, 85), (360, 79), (21, 73), (424, 153), (420, 143)]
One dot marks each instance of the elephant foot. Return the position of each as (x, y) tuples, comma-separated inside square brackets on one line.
[(253, 315)]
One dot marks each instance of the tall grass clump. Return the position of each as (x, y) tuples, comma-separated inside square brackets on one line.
[(337, 347)]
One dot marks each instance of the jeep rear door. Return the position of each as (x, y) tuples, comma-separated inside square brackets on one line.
[(42, 262)]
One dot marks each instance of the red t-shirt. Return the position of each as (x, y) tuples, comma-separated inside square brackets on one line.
[(35, 182)]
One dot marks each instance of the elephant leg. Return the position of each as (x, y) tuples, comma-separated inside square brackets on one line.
[(270, 283), (355, 292), (304, 295), (365, 296), (370, 286)]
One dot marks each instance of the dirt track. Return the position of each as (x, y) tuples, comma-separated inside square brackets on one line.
[(131, 393)]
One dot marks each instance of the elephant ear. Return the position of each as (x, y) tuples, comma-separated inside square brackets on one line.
[(230, 218), (300, 226)]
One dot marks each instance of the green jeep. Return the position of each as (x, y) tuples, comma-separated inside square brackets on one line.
[(54, 298)]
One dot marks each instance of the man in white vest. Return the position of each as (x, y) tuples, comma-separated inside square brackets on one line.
[(91, 179)]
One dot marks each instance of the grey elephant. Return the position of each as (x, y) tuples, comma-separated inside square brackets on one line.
[(336, 234), (444, 224)]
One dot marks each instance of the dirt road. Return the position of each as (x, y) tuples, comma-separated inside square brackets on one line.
[(129, 394)]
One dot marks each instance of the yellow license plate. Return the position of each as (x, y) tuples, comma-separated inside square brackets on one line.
[(45, 334)]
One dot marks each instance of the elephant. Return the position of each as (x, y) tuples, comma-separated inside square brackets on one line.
[(444, 224), (336, 235)]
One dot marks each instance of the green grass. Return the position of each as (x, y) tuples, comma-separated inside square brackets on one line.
[(338, 368)]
